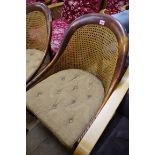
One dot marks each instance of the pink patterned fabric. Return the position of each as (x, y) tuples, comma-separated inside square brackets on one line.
[(59, 27), (33, 1), (73, 9), (115, 6), (54, 1), (30, 1)]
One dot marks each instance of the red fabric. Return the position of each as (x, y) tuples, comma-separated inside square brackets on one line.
[(59, 27), (115, 6), (73, 9), (30, 1), (54, 1), (33, 1)]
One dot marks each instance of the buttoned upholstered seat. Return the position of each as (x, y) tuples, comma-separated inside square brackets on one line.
[(67, 101), (94, 43)]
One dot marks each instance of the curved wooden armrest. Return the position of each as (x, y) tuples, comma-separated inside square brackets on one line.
[(94, 132), (55, 5)]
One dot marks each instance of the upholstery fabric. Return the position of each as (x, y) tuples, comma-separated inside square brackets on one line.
[(33, 60), (66, 102), (59, 27)]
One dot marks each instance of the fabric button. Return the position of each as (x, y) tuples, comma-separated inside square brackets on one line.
[(54, 106), (73, 101), (58, 91), (71, 120), (63, 78), (39, 93), (90, 83), (89, 96)]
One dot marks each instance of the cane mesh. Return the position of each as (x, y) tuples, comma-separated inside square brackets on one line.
[(36, 31), (92, 48)]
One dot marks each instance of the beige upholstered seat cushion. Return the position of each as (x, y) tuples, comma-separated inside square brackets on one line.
[(65, 102), (33, 60)]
